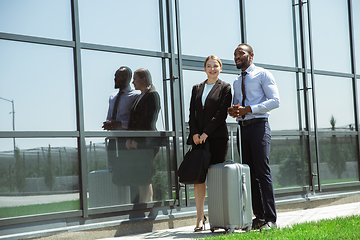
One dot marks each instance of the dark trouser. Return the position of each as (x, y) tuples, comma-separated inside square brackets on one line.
[(255, 148)]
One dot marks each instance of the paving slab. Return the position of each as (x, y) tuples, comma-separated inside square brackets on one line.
[(285, 219)]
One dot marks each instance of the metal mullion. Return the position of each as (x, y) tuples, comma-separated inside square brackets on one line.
[(338, 133), (38, 134), (132, 51), (298, 95), (39, 217), (38, 40), (165, 92), (130, 207), (115, 133), (79, 108), (289, 133), (354, 80), (176, 118), (242, 21), (333, 74), (313, 96), (163, 62), (306, 97), (180, 79)]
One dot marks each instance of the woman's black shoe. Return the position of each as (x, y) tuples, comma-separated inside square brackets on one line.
[(199, 229)]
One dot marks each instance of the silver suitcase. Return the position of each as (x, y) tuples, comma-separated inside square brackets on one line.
[(103, 192), (229, 196)]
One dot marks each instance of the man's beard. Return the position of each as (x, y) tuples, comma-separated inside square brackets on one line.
[(240, 65)]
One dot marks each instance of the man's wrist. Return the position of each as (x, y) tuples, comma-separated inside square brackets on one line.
[(248, 109)]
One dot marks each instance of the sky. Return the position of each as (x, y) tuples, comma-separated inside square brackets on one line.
[(40, 79)]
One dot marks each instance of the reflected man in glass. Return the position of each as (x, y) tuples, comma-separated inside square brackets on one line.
[(120, 103)]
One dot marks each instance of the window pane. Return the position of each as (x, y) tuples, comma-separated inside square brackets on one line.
[(133, 24), (40, 18), (40, 80), (118, 175), (338, 159), (98, 83), (339, 105), (269, 24), (40, 176), (330, 35), (288, 162), (286, 116), (356, 19), (203, 34)]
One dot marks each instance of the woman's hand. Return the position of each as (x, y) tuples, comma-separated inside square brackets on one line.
[(203, 137), (128, 143), (134, 144), (131, 144), (200, 139), (196, 139)]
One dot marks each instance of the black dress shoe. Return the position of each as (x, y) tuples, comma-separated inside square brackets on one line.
[(199, 229), (268, 225), (257, 223)]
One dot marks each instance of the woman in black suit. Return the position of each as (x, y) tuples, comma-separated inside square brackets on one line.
[(143, 116), (207, 120)]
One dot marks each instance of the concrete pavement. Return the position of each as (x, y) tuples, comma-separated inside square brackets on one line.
[(284, 219)]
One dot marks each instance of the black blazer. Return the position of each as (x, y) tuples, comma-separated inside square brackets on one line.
[(145, 115), (210, 119)]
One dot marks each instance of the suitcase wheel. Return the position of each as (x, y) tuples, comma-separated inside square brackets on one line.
[(229, 231), (247, 229)]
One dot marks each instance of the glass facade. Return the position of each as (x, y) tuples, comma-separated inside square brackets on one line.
[(58, 65)]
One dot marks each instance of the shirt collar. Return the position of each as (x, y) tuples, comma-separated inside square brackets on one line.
[(250, 68), (126, 90)]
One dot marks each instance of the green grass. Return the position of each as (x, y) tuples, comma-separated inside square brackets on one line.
[(337, 228), (6, 212)]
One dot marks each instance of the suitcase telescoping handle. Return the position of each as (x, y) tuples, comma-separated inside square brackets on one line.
[(239, 143), (238, 147), (243, 178)]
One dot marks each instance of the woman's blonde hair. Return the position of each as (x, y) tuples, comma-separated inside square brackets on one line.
[(214, 58), (145, 73)]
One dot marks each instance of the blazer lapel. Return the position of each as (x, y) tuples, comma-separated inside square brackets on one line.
[(200, 92)]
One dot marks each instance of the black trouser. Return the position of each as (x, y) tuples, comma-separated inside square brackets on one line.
[(255, 148)]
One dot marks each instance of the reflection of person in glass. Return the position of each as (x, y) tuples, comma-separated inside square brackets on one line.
[(118, 116), (143, 116), (207, 120), (120, 103)]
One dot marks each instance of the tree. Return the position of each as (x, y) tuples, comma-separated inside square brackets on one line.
[(49, 171), (20, 181), (291, 172), (337, 160)]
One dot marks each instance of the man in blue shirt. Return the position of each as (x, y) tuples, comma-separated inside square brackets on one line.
[(255, 95), (120, 103)]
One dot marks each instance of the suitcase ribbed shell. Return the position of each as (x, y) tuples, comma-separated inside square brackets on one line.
[(229, 196)]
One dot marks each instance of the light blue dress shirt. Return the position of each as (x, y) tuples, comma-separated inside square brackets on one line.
[(125, 104), (261, 92)]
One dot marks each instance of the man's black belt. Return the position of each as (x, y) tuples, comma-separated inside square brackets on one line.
[(251, 121)]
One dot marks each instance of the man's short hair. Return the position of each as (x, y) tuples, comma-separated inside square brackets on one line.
[(250, 50), (125, 71)]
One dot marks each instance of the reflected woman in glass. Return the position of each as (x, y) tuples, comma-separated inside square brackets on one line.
[(143, 116), (208, 111)]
